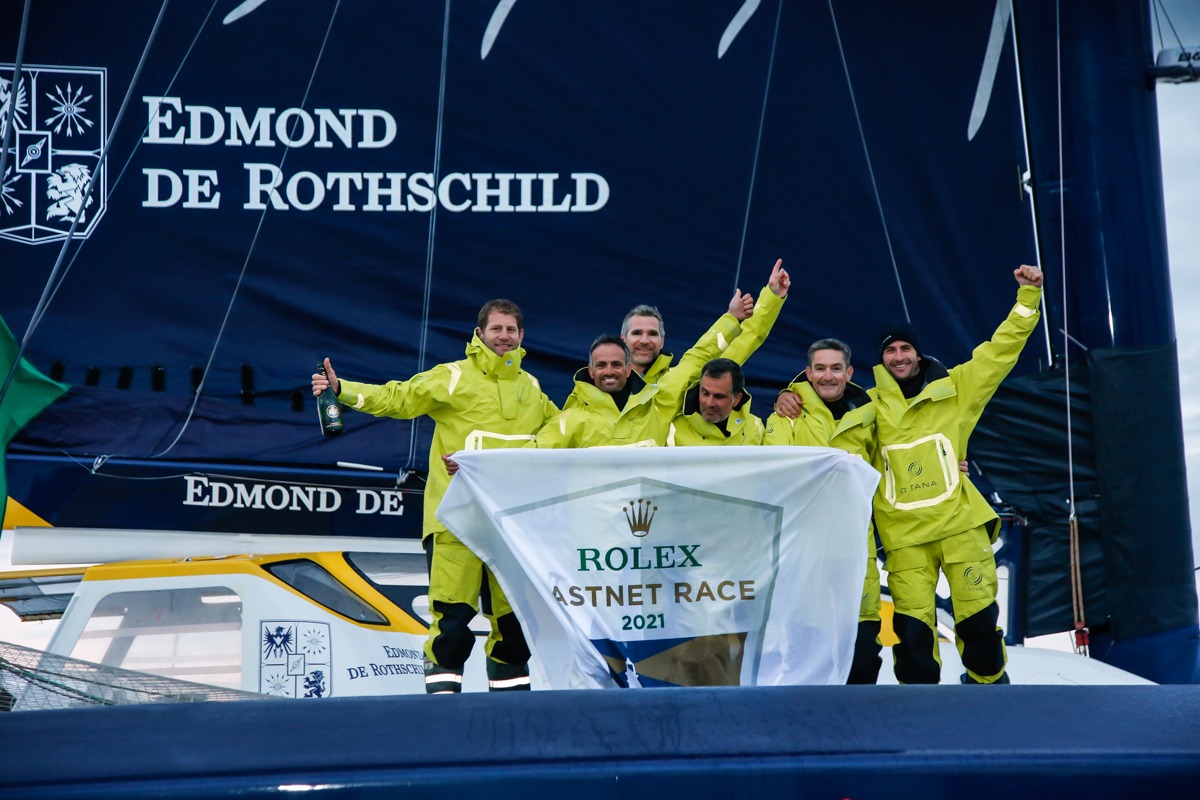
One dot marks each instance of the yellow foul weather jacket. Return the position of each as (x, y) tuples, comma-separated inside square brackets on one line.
[(484, 394), (815, 426), (690, 428), (923, 496), (712, 344), (590, 417), (727, 338)]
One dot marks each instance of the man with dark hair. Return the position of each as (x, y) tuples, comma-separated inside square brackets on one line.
[(828, 395), (643, 328), (645, 333), (611, 404), (500, 306), (487, 398), (930, 517), (716, 410)]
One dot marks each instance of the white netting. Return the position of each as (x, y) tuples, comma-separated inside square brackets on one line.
[(32, 680)]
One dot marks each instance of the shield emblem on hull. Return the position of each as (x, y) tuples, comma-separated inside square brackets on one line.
[(295, 658), (59, 129)]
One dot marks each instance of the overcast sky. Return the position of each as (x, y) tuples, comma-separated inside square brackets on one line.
[(1179, 134)]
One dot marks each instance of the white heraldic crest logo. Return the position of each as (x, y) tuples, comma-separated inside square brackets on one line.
[(59, 129), (295, 658)]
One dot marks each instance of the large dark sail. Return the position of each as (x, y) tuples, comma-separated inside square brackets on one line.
[(354, 180)]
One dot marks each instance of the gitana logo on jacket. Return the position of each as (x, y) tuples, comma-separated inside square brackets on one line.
[(920, 473), (59, 129)]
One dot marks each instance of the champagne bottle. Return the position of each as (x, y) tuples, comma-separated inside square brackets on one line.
[(329, 410)]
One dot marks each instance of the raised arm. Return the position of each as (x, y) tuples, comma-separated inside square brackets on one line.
[(766, 312), (991, 361)]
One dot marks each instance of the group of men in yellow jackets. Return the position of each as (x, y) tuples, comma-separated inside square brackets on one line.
[(913, 426)]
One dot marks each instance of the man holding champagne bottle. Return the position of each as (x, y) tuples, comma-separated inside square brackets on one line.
[(487, 397)]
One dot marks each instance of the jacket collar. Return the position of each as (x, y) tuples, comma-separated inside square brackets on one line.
[(587, 391), (935, 388), (854, 394), (691, 401), (482, 356)]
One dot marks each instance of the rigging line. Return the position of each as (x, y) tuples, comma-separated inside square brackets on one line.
[(1191, 67), (1170, 24), (429, 247), (253, 243), (51, 281), (12, 103), (762, 121), (57, 274), (1027, 185), (1154, 6), (129, 160), (870, 169), (8, 128), (1072, 519)]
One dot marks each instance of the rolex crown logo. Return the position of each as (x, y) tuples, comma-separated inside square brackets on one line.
[(639, 515)]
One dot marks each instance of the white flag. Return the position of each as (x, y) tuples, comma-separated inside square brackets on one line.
[(673, 566)]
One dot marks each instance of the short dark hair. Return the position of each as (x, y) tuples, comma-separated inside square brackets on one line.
[(608, 338), (643, 311), (829, 344), (500, 306), (720, 367)]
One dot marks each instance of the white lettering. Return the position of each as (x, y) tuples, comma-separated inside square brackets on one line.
[(385, 191), (420, 185), (258, 186), (444, 191), (154, 198), (222, 495), (582, 181), (392, 190), (385, 502), (285, 130), (249, 496), (329, 500), (201, 183), (302, 498), (159, 119), (343, 128), (526, 181), (548, 179), (393, 503), (196, 117), (277, 497), (247, 130), (369, 501), (483, 193), (201, 491), (194, 494), (370, 137), (343, 181), (294, 127), (316, 190)]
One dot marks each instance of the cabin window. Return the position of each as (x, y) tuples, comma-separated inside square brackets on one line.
[(314, 581), (402, 578), (190, 634)]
